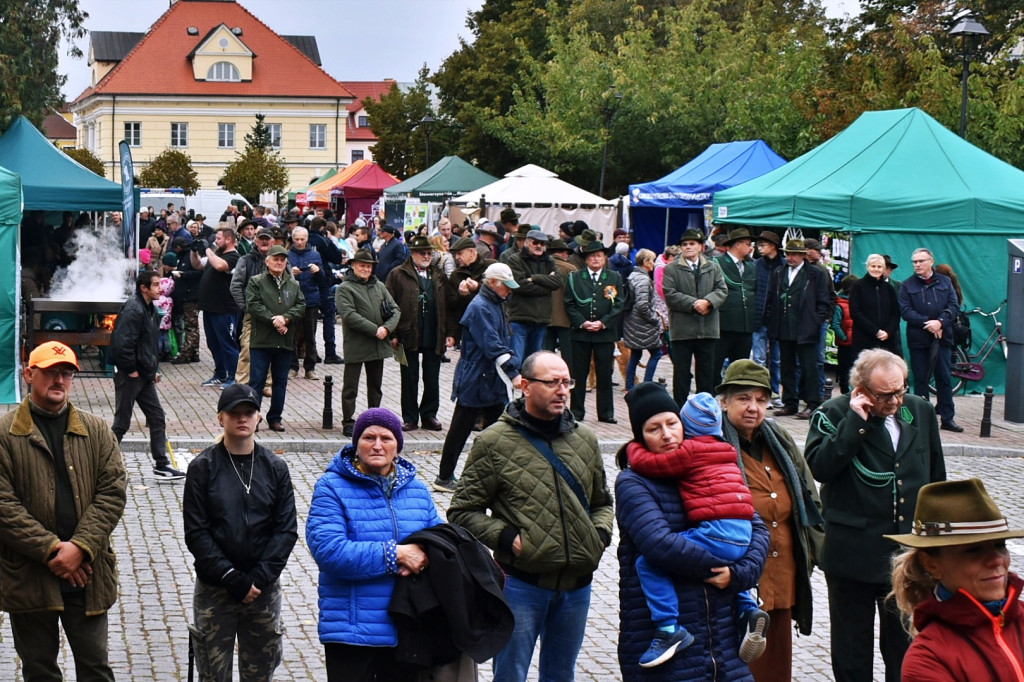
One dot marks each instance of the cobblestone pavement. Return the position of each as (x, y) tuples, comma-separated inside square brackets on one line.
[(148, 635)]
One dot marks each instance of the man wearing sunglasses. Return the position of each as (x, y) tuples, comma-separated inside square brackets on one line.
[(64, 493), (872, 451)]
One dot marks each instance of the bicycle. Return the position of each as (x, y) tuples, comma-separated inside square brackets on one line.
[(967, 367)]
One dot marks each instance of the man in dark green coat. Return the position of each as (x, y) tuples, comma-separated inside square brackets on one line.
[(872, 450), (593, 302), (736, 316)]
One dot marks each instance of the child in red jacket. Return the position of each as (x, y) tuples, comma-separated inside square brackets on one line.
[(716, 498)]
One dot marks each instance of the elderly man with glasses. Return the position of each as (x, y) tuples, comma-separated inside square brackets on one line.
[(871, 450)]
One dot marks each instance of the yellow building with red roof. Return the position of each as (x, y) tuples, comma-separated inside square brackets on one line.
[(195, 81)]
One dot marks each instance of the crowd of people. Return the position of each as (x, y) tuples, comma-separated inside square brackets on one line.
[(722, 516)]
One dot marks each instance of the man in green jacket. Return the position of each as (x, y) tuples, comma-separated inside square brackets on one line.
[(276, 307), (736, 316), (534, 491), (871, 450), (62, 493)]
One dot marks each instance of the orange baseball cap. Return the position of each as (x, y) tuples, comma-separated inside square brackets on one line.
[(52, 353)]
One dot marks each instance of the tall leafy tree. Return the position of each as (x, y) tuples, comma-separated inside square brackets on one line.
[(171, 168), (87, 159), (30, 35), (258, 168)]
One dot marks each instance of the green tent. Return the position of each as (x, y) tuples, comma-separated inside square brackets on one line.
[(330, 173), (52, 180), (10, 219), (898, 180), (449, 177)]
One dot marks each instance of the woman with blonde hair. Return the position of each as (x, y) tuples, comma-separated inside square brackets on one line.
[(956, 585), (442, 256)]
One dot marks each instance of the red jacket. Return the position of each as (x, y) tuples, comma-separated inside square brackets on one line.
[(847, 323), (960, 640), (711, 484)]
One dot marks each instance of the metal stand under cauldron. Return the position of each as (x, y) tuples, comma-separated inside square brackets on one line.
[(75, 323)]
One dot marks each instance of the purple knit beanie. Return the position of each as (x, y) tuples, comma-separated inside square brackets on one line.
[(379, 416), (701, 416)]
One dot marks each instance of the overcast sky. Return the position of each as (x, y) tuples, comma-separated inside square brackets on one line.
[(358, 40)]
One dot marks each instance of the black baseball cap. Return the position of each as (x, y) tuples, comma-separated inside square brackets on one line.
[(235, 395)]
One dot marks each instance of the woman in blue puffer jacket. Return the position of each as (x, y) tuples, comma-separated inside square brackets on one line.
[(367, 501)]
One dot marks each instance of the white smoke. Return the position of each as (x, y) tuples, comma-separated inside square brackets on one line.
[(99, 272)]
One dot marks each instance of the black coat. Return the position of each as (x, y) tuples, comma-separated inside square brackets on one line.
[(133, 343), (456, 605), (873, 306), (796, 313)]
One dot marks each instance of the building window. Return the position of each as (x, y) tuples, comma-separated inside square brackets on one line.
[(364, 122), (275, 134), (357, 155), (318, 136), (226, 135), (223, 71), (133, 133), (179, 134)]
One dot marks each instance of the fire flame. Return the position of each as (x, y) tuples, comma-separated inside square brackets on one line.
[(105, 321)]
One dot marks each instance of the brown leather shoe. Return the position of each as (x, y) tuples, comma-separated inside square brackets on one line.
[(409, 426), (804, 413), (785, 412), (276, 425), (432, 424)]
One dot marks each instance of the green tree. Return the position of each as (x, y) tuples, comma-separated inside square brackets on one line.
[(258, 168), (401, 139), (30, 35), (87, 159), (170, 168)]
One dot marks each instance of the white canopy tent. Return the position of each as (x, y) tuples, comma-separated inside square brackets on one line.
[(540, 198)]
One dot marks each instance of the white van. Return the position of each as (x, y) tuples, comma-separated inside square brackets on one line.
[(209, 202)]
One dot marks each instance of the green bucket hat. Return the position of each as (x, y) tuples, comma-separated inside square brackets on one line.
[(745, 373), (420, 243), (692, 235), (364, 256)]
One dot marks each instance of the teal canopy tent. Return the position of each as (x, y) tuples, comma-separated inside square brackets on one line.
[(50, 179), (10, 219), (898, 180), (449, 177)]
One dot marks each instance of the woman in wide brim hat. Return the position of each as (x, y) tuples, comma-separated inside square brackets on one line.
[(956, 585)]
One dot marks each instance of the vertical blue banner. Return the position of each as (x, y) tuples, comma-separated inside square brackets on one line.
[(128, 194)]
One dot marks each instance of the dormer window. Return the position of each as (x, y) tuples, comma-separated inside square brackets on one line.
[(223, 71)]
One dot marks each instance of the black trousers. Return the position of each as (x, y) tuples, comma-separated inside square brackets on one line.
[(37, 641), (127, 392), (851, 606), (731, 346), (463, 419), (350, 388), (807, 354), (412, 409), (348, 663), (305, 341), (701, 352), (603, 353)]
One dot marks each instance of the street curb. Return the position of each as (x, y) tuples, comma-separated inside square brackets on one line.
[(607, 446)]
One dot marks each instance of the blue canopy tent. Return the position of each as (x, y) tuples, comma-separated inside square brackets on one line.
[(661, 210)]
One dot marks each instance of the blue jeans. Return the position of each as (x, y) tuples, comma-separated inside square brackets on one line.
[(634, 361), (330, 314), (277, 361), (220, 339), (527, 338), (760, 356), (558, 618), (725, 539)]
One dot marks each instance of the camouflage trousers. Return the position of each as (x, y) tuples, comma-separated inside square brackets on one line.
[(190, 348), (219, 619), (242, 370)]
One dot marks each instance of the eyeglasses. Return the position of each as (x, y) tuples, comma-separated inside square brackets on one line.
[(886, 397), (554, 383), (52, 373), (919, 260)]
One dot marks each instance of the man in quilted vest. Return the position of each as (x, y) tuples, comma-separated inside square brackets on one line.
[(64, 493), (534, 491)]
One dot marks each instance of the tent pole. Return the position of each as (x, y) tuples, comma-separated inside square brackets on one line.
[(667, 211)]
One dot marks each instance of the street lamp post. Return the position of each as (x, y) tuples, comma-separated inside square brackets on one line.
[(427, 121), (967, 28), (609, 112)]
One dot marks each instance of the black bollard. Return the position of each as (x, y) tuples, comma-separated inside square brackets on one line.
[(986, 415), (829, 388), (328, 411)]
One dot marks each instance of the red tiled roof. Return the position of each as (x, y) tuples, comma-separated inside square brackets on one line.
[(159, 64), (56, 127), (362, 90)]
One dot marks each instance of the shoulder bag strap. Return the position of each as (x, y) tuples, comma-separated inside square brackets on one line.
[(543, 448)]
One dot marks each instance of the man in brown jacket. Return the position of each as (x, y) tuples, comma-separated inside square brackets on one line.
[(558, 331), (62, 493), (420, 290)]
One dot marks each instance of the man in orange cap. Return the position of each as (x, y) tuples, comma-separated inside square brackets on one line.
[(64, 493)]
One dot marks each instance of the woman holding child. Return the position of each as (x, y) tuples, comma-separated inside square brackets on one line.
[(670, 558), (786, 499)]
